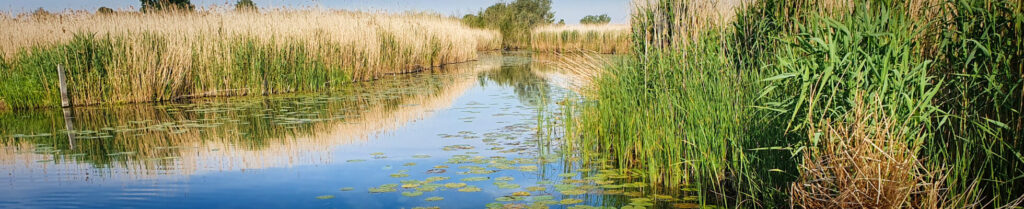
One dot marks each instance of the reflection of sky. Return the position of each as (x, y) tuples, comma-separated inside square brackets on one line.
[(296, 186), (570, 10)]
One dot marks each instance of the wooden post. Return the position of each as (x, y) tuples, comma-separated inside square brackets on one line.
[(70, 127), (64, 101)]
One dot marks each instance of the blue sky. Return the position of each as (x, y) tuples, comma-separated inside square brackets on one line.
[(570, 10)]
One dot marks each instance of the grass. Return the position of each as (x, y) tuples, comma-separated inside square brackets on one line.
[(799, 103), (136, 57), (605, 39)]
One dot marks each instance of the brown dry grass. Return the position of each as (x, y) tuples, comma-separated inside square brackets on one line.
[(605, 39), (867, 161)]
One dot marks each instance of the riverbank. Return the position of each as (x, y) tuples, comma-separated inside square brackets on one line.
[(604, 39), (145, 57), (817, 104)]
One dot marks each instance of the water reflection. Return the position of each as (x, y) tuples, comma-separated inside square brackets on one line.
[(137, 141), (462, 137)]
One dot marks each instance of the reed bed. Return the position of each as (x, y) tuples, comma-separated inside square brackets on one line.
[(605, 39), (818, 103), (142, 57)]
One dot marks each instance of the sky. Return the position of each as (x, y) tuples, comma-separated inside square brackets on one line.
[(569, 10)]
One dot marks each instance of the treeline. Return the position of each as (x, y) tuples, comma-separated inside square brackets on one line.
[(515, 20), (161, 6)]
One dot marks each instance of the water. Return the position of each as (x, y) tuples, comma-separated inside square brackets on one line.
[(461, 137)]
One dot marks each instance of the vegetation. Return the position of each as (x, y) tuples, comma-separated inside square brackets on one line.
[(164, 5), (142, 57), (595, 19), (606, 39), (515, 20), (818, 104), (246, 6)]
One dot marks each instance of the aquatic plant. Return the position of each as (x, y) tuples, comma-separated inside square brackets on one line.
[(605, 39), (751, 102), (143, 57)]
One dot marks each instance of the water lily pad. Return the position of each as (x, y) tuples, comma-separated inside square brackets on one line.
[(506, 185), (479, 178), (355, 160), (437, 178), (347, 189), (410, 186), (536, 188), (543, 197), (325, 197), (504, 178), (412, 194), (421, 156), (455, 185), (573, 192), (409, 164), (399, 175), (567, 175), (521, 193), (429, 187), (504, 199), (434, 199), (470, 189), (570, 201)]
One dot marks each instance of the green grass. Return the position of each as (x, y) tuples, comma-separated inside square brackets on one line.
[(730, 109)]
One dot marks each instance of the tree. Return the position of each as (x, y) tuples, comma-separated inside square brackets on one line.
[(104, 11), (596, 19), (246, 6), (561, 22), (515, 20), (163, 5)]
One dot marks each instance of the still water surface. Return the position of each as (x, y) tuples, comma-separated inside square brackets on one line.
[(461, 137)]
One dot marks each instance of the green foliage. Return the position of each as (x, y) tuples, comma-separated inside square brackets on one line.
[(515, 20), (104, 10), (246, 6), (596, 19), (166, 5), (731, 109)]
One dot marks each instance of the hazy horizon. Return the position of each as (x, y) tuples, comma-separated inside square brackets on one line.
[(569, 10)]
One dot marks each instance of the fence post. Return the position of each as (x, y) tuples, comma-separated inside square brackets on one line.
[(64, 101)]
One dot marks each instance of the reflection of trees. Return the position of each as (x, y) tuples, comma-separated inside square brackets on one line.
[(517, 72), (241, 129)]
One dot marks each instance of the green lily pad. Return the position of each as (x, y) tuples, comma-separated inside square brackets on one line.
[(347, 189), (504, 178), (355, 160), (470, 189), (570, 201), (480, 178), (573, 192), (536, 188), (434, 198), (412, 194), (543, 197), (455, 185), (324, 197)]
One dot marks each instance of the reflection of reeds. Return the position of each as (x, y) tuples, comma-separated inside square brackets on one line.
[(251, 142), (605, 39), (134, 57)]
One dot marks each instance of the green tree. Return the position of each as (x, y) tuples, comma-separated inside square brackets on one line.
[(104, 11), (515, 20), (596, 19), (246, 6), (163, 5)]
